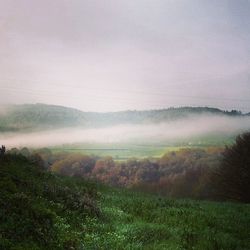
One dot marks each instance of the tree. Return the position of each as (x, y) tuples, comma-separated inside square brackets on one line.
[(2, 150), (232, 177)]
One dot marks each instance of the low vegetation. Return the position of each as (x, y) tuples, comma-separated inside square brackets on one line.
[(40, 210)]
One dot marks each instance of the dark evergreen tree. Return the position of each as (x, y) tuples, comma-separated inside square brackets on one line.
[(232, 178), (2, 150)]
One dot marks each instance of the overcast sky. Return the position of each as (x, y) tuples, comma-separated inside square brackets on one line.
[(108, 55)]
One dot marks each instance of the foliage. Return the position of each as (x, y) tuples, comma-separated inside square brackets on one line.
[(40, 210), (233, 175), (185, 173)]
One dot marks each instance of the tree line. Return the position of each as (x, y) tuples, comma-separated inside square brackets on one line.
[(210, 173)]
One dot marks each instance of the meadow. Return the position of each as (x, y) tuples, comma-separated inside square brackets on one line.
[(145, 149), (117, 151), (140, 221)]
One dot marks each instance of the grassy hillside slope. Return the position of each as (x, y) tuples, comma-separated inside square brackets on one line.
[(39, 210)]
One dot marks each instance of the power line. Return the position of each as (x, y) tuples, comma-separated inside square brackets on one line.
[(129, 91), (100, 98)]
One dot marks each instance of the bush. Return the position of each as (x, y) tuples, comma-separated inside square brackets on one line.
[(41, 210)]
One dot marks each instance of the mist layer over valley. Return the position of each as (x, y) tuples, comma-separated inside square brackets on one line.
[(69, 126)]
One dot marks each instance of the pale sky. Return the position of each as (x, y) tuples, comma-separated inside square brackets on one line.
[(109, 55)]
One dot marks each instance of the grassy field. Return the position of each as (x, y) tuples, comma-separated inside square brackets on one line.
[(139, 221), (117, 151), (124, 151), (40, 210)]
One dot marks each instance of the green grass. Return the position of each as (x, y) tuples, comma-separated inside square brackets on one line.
[(117, 151), (124, 151), (39, 210), (140, 221)]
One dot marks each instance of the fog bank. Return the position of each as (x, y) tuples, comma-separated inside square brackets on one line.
[(189, 128)]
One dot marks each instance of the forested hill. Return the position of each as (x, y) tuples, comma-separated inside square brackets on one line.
[(42, 116), (38, 117), (154, 116)]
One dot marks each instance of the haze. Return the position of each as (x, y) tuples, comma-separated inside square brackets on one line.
[(116, 55), (184, 129)]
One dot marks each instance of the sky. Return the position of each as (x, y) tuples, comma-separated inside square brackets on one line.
[(110, 55)]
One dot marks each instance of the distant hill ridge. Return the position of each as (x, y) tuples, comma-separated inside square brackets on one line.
[(32, 116), (43, 116)]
